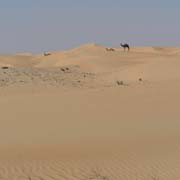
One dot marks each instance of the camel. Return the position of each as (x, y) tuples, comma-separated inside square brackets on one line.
[(125, 46), (47, 54), (110, 49)]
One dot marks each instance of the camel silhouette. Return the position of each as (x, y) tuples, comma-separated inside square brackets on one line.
[(125, 46)]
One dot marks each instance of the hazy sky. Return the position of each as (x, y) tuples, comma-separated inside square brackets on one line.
[(42, 25)]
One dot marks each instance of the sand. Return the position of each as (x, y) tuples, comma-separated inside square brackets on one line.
[(89, 113)]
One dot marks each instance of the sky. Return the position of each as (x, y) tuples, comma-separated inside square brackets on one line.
[(43, 25)]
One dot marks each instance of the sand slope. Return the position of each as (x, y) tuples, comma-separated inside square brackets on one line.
[(64, 116)]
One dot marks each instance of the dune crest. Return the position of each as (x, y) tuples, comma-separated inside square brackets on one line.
[(88, 53)]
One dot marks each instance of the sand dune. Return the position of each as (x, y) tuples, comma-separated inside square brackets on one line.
[(89, 113)]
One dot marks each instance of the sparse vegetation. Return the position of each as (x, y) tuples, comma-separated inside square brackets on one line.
[(62, 69), (120, 83), (64, 76), (5, 67)]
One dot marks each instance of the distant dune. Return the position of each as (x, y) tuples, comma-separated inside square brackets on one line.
[(91, 113), (150, 62)]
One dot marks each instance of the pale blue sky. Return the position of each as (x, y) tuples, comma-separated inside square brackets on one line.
[(42, 25)]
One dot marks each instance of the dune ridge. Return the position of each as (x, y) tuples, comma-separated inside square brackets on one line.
[(87, 52)]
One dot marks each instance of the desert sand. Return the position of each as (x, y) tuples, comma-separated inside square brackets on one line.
[(91, 114)]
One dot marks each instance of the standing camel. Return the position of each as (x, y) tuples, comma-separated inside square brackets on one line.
[(125, 46)]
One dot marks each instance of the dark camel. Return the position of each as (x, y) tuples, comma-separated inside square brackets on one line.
[(125, 46)]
